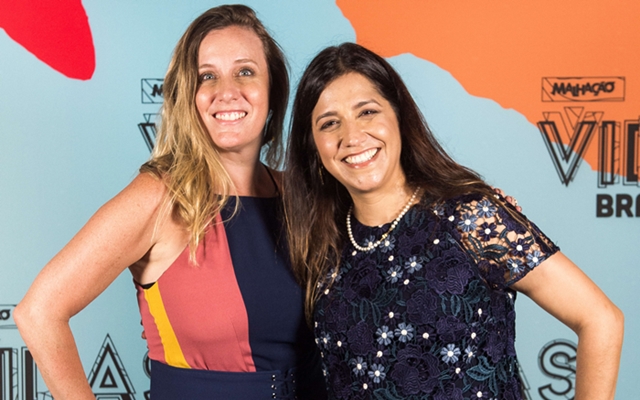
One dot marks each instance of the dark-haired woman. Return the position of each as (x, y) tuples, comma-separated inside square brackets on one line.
[(412, 264), (222, 312)]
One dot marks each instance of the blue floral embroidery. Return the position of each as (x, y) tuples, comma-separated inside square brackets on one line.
[(359, 366), (485, 209), (534, 259), (479, 393), (377, 373), (412, 265), (487, 231), (519, 248), (404, 332), (468, 222), (384, 335), (469, 353), (394, 273), (387, 245), (450, 353), (515, 266), (430, 312)]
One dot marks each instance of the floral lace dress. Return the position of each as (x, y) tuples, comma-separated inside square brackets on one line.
[(429, 314)]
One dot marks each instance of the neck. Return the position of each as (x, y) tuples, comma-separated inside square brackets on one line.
[(374, 209), (250, 177)]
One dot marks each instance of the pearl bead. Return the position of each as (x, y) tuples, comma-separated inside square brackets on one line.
[(373, 245)]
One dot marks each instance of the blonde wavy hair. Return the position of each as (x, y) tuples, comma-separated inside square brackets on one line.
[(185, 157)]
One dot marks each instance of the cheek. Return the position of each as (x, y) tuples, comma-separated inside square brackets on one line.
[(323, 146), (258, 95), (203, 100)]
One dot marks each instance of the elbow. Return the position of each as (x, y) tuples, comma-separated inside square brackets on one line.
[(614, 336), (20, 317), (607, 323), (617, 321), (26, 319), (23, 318), (613, 319)]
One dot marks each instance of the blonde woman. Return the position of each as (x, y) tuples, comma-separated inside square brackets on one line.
[(200, 231)]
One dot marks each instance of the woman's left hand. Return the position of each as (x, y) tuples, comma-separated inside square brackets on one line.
[(510, 199)]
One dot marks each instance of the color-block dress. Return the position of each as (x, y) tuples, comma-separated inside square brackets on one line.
[(232, 327), (429, 314)]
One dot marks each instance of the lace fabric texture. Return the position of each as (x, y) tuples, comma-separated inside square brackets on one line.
[(430, 312)]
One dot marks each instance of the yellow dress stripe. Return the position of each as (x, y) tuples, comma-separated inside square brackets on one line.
[(172, 350)]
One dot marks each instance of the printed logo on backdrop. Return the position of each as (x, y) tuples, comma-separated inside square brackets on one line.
[(557, 360), (571, 129), (108, 377), (151, 93), (20, 379)]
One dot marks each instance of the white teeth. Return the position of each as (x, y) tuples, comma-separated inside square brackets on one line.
[(231, 116), (360, 158)]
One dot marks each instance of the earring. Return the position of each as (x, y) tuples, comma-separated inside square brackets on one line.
[(320, 168)]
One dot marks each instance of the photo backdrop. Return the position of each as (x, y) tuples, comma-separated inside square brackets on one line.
[(542, 98)]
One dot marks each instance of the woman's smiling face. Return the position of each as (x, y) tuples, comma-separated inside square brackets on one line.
[(357, 135), (233, 91)]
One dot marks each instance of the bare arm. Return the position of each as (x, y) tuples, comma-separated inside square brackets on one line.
[(562, 289), (119, 234)]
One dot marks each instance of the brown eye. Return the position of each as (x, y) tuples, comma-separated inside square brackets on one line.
[(369, 112), (328, 124)]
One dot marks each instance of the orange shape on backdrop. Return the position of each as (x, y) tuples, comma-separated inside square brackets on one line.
[(504, 50), (56, 31)]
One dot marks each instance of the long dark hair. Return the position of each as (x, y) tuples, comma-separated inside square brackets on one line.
[(315, 197)]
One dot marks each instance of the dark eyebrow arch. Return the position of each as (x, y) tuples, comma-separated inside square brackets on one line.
[(355, 107), (327, 114), (364, 103)]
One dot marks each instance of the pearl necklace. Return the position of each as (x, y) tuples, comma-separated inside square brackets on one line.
[(373, 245)]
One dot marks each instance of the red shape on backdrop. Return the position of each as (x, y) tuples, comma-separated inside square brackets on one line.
[(55, 31)]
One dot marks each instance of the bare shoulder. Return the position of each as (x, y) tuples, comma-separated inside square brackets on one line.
[(166, 235), (146, 190), (140, 201)]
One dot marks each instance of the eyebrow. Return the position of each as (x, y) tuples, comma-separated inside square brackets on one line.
[(244, 61), (364, 103), (355, 107), (238, 61), (327, 114)]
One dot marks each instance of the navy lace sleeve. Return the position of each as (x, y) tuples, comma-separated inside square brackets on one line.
[(504, 244)]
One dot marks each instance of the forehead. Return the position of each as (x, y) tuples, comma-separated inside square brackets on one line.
[(231, 43), (348, 89)]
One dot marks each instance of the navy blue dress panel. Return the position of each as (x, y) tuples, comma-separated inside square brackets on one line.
[(171, 383), (278, 333), (288, 364)]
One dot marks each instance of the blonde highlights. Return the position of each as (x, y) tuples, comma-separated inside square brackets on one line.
[(185, 157)]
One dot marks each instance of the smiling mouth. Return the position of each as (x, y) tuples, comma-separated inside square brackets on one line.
[(230, 116), (360, 158)]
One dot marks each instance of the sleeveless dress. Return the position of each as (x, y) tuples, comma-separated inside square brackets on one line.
[(233, 326), (429, 314)]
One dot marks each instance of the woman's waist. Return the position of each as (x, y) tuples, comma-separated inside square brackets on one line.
[(290, 383)]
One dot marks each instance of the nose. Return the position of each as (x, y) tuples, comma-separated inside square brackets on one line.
[(354, 134), (228, 90)]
